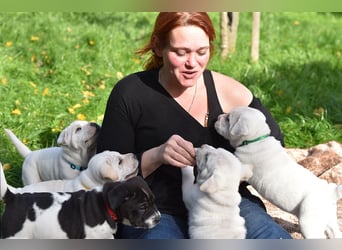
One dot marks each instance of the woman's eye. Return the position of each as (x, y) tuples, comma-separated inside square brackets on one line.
[(202, 52), (181, 52)]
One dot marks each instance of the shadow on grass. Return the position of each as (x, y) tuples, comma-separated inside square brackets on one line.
[(306, 89)]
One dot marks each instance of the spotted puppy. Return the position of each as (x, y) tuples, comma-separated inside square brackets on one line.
[(79, 215)]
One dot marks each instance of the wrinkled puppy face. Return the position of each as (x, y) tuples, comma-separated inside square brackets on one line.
[(80, 135), (113, 166), (241, 124), (218, 169), (134, 204)]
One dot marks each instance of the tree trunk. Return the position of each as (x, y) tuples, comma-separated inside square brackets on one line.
[(232, 33), (224, 34), (255, 36)]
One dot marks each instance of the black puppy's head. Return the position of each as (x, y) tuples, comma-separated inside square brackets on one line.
[(133, 202)]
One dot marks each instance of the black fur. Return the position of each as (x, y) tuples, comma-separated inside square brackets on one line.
[(18, 208)]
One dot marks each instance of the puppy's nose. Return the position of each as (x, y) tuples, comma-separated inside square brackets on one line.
[(156, 217), (95, 125)]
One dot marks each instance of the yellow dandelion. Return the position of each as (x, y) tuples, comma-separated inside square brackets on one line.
[(319, 111), (81, 117), (296, 22), (85, 70), (119, 75), (77, 46), (71, 111), (6, 166), (87, 94), (33, 84), (100, 117), (16, 112), (91, 42), (280, 92), (17, 102), (85, 101), (34, 38), (57, 129), (4, 81), (136, 60), (288, 110), (76, 106), (102, 85), (8, 44), (33, 58), (45, 92)]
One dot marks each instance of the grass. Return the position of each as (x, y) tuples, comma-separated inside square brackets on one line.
[(56, 67)]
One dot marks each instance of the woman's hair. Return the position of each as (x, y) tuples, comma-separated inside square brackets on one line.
[(165, 23)]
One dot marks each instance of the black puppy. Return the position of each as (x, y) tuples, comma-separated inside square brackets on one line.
[(78, 215)]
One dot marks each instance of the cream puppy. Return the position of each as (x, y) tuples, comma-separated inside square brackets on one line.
[(76, 145), (102, 167), (278, 178), (213, 201)]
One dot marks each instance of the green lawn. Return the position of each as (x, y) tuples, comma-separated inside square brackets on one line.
[(57, 67)]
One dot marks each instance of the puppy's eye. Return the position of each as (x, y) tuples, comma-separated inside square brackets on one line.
[(120, 161), (227, 118), (143, 206), (78, 129), (206, 156)]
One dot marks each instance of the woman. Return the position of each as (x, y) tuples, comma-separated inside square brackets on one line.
[(162, 113)]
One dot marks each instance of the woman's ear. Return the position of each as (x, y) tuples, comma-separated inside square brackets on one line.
[(156, 46)]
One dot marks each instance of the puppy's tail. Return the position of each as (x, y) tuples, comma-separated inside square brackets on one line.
[(21, 147), (3, 182)]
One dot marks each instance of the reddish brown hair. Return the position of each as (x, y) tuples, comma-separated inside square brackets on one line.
[(167, 21)]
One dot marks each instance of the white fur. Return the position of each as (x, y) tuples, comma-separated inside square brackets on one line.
[(213, 201), (102, 167), (278, 178), (76, 145)]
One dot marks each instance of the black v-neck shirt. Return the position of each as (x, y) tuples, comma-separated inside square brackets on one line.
[(141, 114)]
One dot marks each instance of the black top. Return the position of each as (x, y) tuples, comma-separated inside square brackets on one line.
[(141, 114)]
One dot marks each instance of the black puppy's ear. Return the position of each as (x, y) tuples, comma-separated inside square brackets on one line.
[(115, 193)]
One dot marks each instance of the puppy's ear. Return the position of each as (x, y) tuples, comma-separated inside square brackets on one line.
[(238, 127), (246, 172), (114, 193), (107, 171), (63, 138), (209, 186)]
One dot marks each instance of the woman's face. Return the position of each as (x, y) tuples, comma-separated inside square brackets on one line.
[(186, 56)]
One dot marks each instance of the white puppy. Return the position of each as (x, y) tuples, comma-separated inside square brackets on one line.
[(213, 201), (76, 145), (102, 167), (278, 178)]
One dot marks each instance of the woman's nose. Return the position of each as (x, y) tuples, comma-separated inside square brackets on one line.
[(191, 60)]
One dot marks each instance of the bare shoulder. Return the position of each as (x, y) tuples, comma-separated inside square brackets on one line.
[(231, 93)]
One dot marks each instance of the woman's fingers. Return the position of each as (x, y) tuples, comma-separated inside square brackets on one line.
[(178, 152)]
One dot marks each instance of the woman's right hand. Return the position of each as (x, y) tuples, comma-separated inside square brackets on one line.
[(177, 152)]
